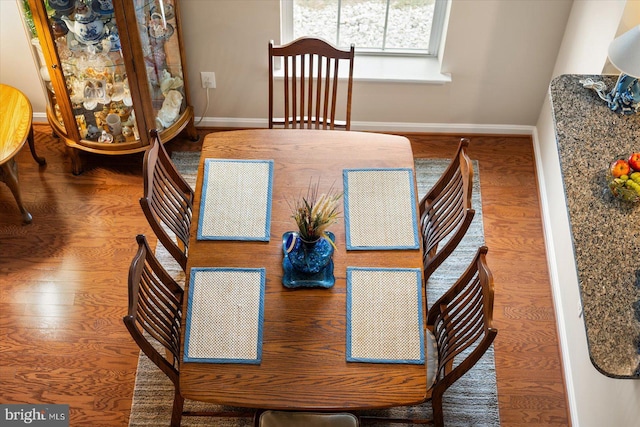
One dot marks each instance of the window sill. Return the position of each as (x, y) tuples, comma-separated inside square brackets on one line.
[(396, 69), (401, 69)]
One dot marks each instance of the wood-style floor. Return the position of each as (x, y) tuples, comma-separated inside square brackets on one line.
[(63, 281)]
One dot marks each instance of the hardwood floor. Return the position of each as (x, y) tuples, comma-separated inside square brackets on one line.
[(531, 387), (63, 281)]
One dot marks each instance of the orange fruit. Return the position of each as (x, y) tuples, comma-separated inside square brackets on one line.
[(619, 167)]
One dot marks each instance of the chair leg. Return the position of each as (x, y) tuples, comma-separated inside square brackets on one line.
[(176, 413), (438, 415), (256, 418)]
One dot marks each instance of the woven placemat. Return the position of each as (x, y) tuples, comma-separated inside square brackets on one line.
[(380, 209), (236, 200), (225, 315), (384, 315)]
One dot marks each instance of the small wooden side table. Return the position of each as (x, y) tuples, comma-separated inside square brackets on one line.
[(15, 129)]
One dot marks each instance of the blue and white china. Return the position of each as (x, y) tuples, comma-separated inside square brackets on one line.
[(86, 26), (62, 7), (103, 7)]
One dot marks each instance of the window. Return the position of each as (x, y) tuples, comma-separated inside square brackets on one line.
[(377, 27)]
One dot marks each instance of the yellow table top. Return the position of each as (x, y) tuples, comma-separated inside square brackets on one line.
[(15, 121)]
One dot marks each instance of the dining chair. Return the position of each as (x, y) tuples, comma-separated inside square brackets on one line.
[(168, 200), (272, 418), (312, 84), (154, 321), (445, 211), (458, 333)]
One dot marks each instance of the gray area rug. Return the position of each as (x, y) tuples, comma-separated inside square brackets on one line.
[(471, 401)]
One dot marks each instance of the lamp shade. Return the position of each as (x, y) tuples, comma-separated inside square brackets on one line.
[(624, 52)]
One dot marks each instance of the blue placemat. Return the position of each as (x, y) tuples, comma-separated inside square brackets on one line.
[(236, 200), (225, 315), (384, 315), (380, 209)]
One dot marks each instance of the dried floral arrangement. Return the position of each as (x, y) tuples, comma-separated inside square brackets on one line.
[(315, 212)]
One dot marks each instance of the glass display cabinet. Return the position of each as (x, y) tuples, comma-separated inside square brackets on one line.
[(111, 70)]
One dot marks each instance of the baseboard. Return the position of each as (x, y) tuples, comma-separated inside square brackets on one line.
[(40, 118), (458, 128), (462, 128), (555, 283), (230, 122)]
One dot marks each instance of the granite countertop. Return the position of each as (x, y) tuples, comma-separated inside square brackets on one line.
[(605, 230)]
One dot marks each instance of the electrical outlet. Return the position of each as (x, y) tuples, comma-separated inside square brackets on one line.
[(208, 79)]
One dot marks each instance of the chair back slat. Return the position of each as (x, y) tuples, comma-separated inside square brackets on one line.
[(442, 220), (334, 95), (156, 307), (311, 93), (286, 94), (170, 206), (167, 202), (319, 85), (461, 322), (155, 310), (154, 320), (312, 84), (445, 211), (301, 114)]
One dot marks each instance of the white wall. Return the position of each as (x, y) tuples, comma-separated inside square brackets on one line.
[(17, 67), (500, 55), (595, 400)]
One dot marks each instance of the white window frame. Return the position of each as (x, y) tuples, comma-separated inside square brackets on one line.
[(437, 29)]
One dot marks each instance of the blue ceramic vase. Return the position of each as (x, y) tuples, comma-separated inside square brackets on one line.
[(308, 257)]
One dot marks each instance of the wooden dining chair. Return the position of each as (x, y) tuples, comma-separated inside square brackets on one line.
[(459, 332), (305, 419), (445, 211), (312, 85), (168, 200), (154, 320)]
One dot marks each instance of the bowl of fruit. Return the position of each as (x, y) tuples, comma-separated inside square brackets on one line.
[(623, 177)]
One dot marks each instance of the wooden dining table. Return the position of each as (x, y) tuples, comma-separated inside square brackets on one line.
[(303, 364)]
